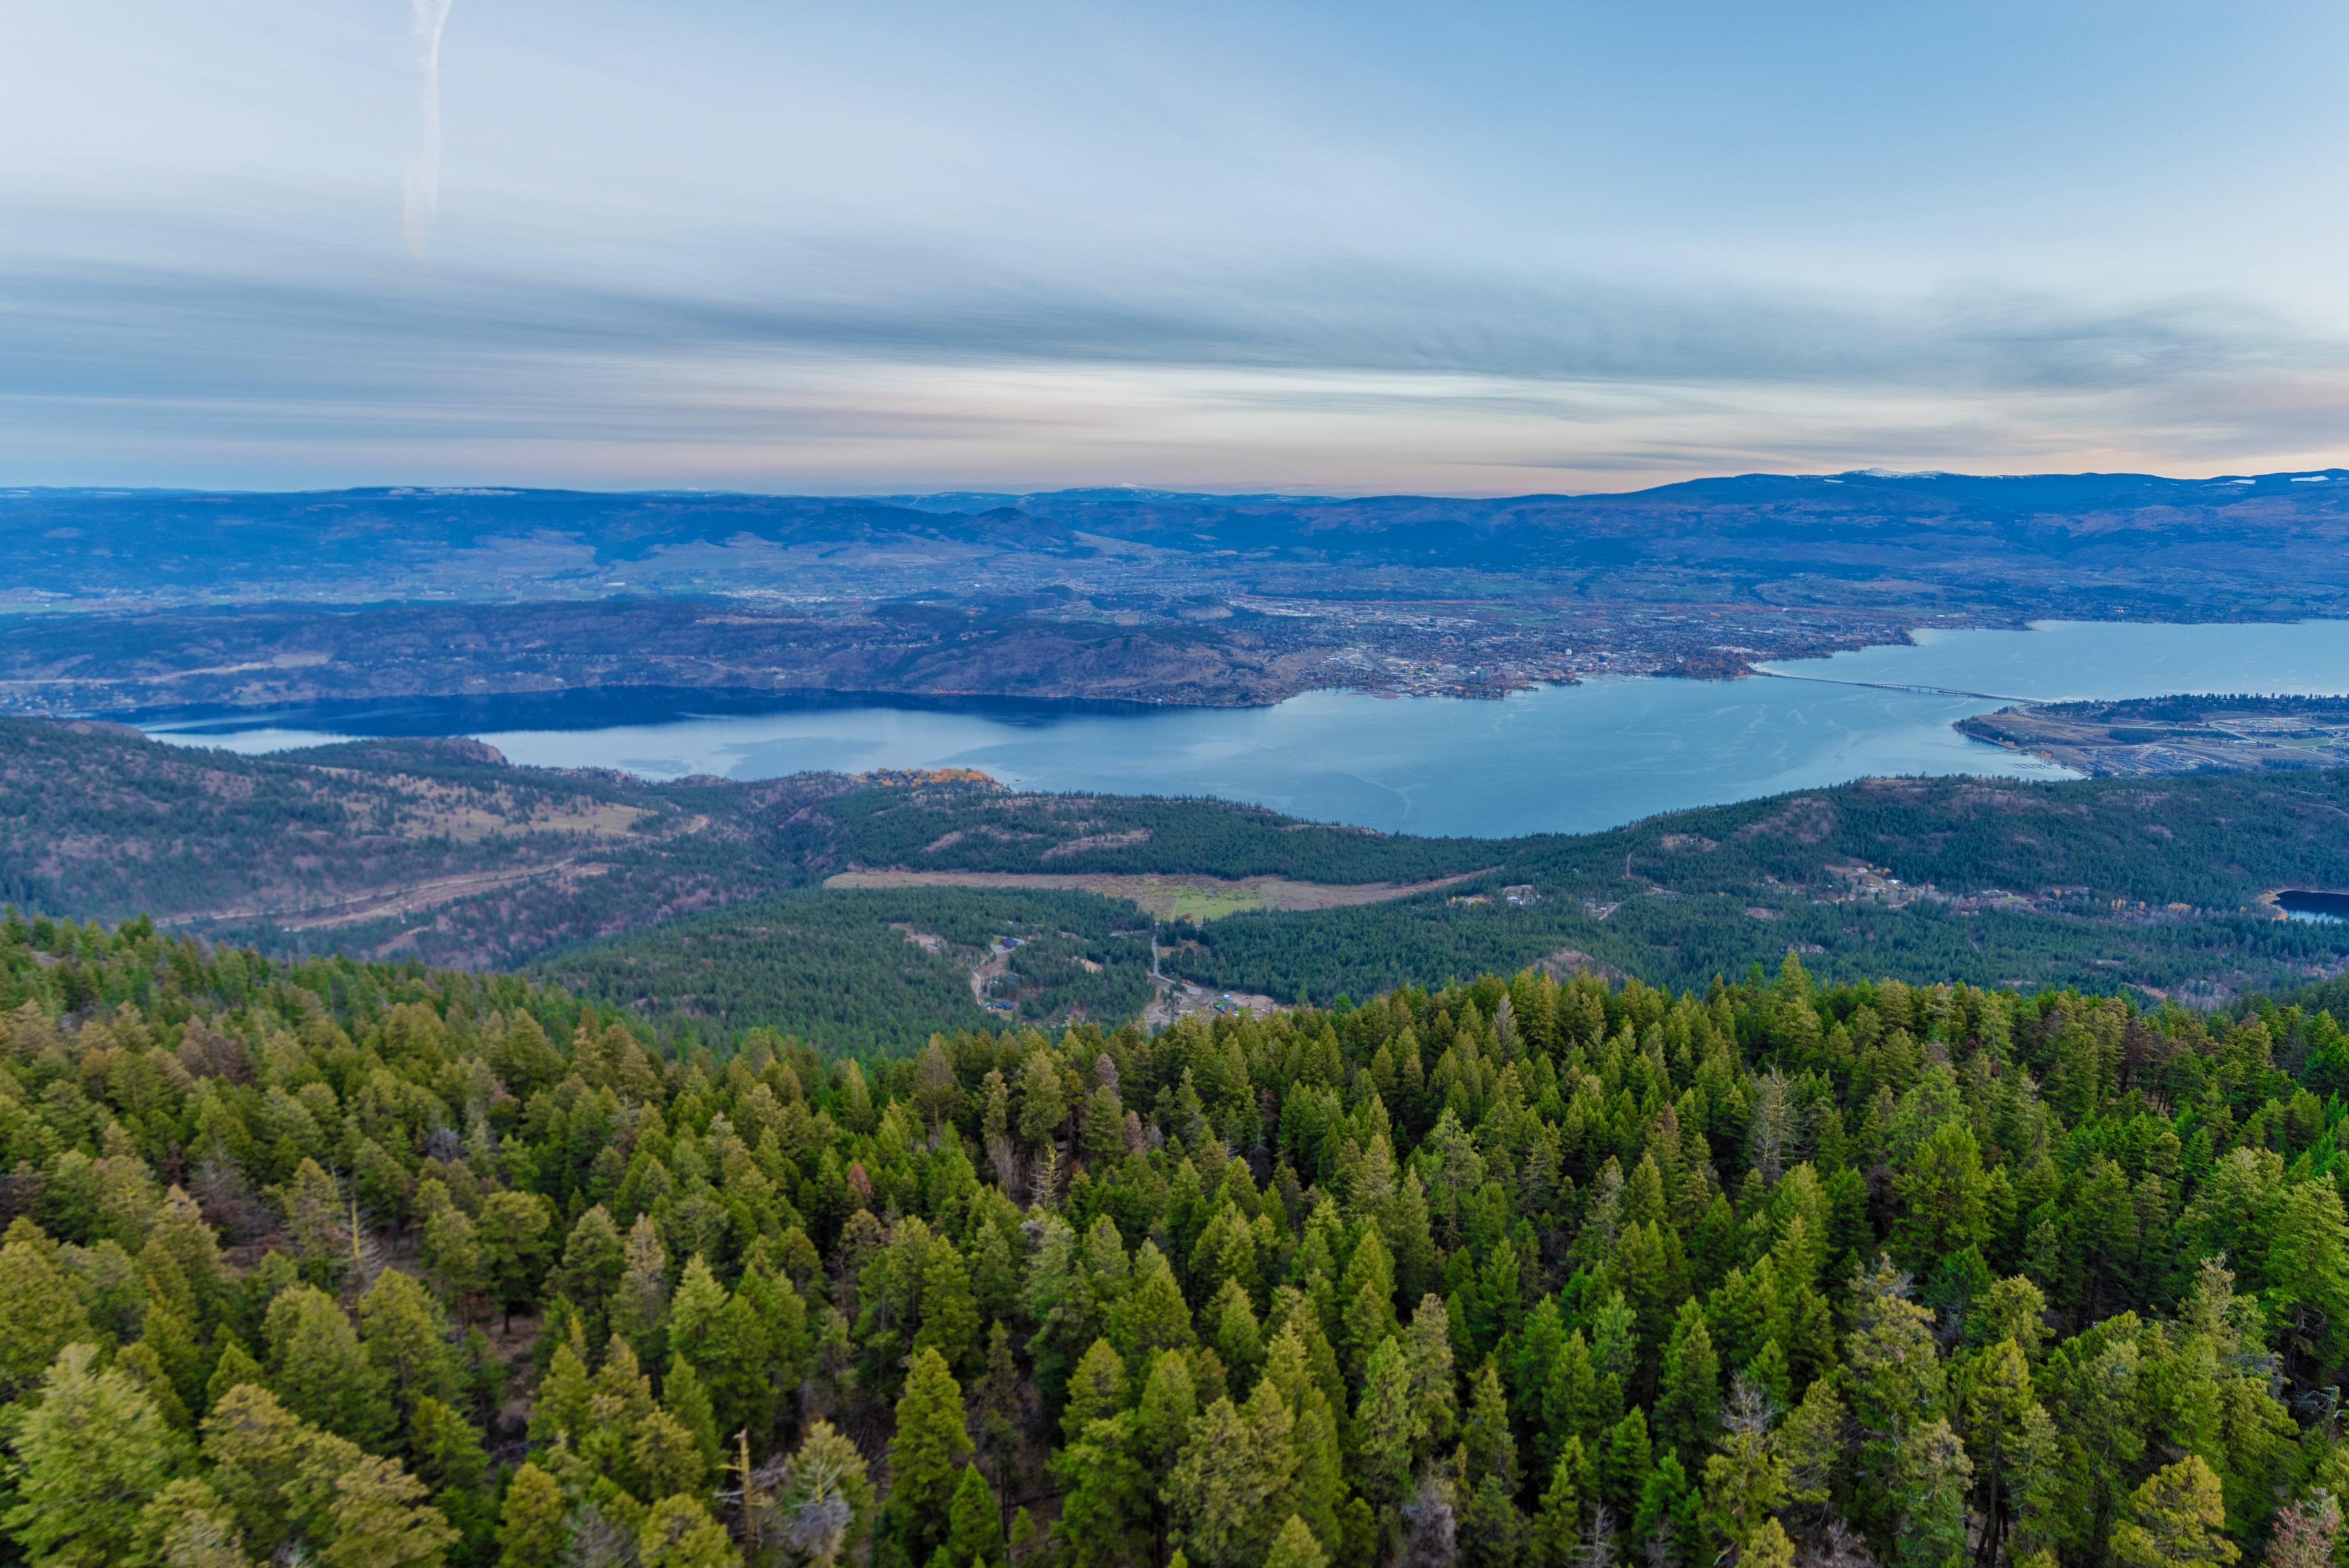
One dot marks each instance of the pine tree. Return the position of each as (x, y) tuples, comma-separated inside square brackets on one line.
[(92, 1452), (1000, 1408), (925, 1458), (1531, 1372), (1745, 1483), (187, 1526), (1572, 1401), (1768, 1548), (293, 1486), (758, 1355), (1557, 1531), (315, 1220), (532, 1528), (2011, 1440), (1895, 1381), (1614, 1358), (2180, 1518), (639, 1305), (1319, 1493), (513, 1233), (1295, 1547), (1386, 1426), (1624, 1464), (1435, 1397), (1491, 1532), (1935, 1477), (317, 1366), (1217, 1493), (181, 1235), (234, 1368), (594, 1258), (138, 1362), (1688, 1405), (824, 1497), (1097, 1391), (1163, 1417), (452, 1255), (662, 1456), (379, 1520), (445, 1450), (1237, 1336), (688, 1403), (695, 1314), (407, 1341), (564, 1394), (1486, 1447), (1367, 1292), (678, 1532), (973, 1526), (1109, 1516), (172, 1336), (40, 1312), (1943, 1195), (1272, 1449), (1153, 1316), (1043, 1103)]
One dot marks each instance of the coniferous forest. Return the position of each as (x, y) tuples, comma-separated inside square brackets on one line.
[(377, 1266)]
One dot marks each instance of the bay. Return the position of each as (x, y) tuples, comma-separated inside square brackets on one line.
[(1556, 759)]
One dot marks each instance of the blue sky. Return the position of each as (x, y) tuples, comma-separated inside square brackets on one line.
[(1335, 248)]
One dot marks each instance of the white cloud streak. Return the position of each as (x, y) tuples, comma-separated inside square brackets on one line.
[(423, 181)]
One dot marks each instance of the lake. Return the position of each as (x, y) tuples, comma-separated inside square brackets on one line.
[(2325, 908), (1556, 759)]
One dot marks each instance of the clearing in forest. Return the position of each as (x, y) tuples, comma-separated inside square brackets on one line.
[(1169, 897)]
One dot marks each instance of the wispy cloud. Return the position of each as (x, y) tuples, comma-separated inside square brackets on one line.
[(1341, 376), (1340, 247), (422, 186), (902, 305)]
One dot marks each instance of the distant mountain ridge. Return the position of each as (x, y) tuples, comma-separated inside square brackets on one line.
[(489, 543)]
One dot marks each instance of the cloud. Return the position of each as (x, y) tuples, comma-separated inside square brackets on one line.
[(899, 304), (890, 366), (422, 185)]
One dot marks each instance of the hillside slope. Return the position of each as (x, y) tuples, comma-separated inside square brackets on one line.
[(440, 850), (381, 1264)]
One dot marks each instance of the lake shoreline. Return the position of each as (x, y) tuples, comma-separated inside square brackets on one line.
[(1553, 758)]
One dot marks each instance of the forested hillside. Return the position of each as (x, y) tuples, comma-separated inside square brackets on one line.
[(664, 898), (876, 972), (2095, 885), (370, 1265)]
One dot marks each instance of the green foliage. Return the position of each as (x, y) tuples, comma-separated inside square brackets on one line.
[(974, 1525), (824, 1500), (2178, 1518), (925, 1458), (1295, 1547), (852, 968), (317, 1366), (1533, 1269), (40, 1310), (531, 1529), (92, 1452), (2117, 882)]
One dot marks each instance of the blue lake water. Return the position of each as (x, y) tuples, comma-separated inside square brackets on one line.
[(1558, 759), (2324, 908)]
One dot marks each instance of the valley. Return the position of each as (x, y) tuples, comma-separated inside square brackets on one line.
[(715, 904)]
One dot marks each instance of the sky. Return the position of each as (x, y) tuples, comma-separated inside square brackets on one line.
[(1329, 248)]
